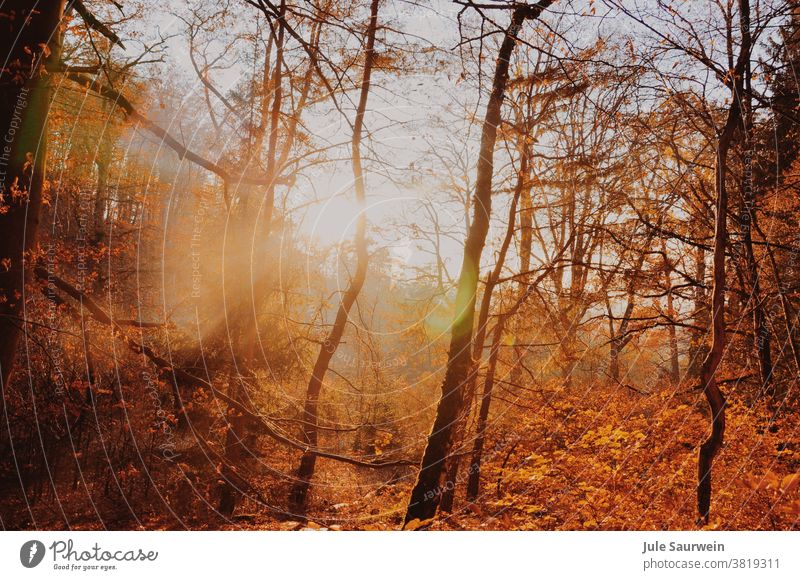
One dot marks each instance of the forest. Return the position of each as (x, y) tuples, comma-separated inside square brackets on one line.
[(399, 264)]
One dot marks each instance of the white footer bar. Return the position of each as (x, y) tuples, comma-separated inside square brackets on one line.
[(389, 555)]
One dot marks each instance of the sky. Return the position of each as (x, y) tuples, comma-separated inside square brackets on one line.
[(402, 110), (408, 115)]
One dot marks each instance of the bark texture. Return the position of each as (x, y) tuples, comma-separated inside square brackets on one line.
[(30, 41)]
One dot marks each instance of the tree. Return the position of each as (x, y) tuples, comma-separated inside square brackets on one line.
[(425, 496), (716, 400), (31, 43), (297, 498)]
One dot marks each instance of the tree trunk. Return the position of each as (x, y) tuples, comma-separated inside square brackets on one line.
[(714, 396), (448, 494), (697, 342), (674, 362), (621, 337), (747, 220), (716, 401), (474, 480), (229, 491), (277, 99), (525, 253), (101, 198), (613, 360), (787, 311), (762, 339), (102, 162), (26, 28), (425, 495), (299, 491)]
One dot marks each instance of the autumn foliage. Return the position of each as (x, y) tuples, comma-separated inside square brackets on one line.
[(302, 265)]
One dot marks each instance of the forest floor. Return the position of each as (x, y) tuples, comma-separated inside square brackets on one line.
[(604, 459)]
